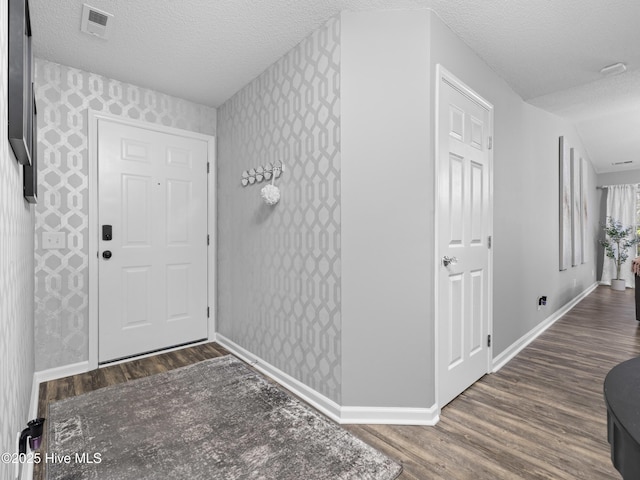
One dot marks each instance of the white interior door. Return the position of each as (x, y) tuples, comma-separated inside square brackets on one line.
[(152, 214), (464, 222)]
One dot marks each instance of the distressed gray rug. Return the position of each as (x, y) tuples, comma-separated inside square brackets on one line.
[(217, 419)]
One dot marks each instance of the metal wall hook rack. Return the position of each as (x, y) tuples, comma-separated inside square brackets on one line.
[(257, 175)]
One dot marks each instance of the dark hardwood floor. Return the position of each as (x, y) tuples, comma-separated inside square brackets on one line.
[(542, 416)]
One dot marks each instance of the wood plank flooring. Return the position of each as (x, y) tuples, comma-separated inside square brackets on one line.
[(542, 416)]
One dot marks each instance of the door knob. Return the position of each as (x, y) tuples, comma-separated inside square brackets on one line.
[(106, 254), (446, 260)]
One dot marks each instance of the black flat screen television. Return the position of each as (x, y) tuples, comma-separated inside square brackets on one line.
[(21, 98)]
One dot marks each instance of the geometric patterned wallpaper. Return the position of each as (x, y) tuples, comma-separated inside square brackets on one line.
[(64, 96), (279, 267), (16, 282)]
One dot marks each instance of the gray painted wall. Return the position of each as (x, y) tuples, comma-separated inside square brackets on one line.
[(387, 178), (64, 97), (279, 274), (16, 284)]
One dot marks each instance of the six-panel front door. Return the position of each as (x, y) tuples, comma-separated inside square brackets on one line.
[(464, 129), (152, 213)]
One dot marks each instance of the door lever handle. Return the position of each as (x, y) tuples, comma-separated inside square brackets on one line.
[(446, 260)]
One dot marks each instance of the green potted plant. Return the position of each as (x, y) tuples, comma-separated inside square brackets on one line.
[(616, 244)]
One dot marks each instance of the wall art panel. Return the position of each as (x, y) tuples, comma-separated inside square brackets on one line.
[(584, 210), (576, 210), (565, 204)]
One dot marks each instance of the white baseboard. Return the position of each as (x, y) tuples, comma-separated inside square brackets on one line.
[(51, 374), (390, 415), (338, 413), (45, 376), (27, 471), (503, 358), (61, 372), (308, 394), (38, 378), (33, 403), (27, 468)]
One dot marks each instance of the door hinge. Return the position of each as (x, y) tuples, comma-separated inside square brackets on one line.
[(489, 241), (208, 240), (207, 312), (488, 340), (490, 144), (208, 167)]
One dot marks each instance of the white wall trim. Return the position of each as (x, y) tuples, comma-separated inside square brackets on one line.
[(60, 372), (516, 347), (45, 376), (33, 402), (390, 415), (340, 414), (212, 222), (308, 394), (27, 469)]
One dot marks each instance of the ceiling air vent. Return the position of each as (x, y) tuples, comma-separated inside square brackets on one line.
[(615, 69), (627, 162), (96, 22)]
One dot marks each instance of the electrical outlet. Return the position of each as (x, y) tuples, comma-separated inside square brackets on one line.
[(542, 301), (53, 240)]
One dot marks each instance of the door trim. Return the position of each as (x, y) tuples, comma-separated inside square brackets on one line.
[(444, 75), (92, 147)]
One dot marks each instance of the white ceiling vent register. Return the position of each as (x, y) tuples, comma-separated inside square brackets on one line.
[(96, 22), (615, 69)]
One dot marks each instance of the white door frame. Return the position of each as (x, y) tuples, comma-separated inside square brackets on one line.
[(442, 74), (92, 147)]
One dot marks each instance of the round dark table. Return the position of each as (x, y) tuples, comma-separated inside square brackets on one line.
[(622, 396)]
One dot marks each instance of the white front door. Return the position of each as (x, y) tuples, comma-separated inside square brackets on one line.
[(152, 220), (464, 222)]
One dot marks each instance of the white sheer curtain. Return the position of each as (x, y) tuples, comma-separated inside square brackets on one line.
[(621, 206)]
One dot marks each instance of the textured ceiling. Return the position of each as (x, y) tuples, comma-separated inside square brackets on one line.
[(550, 52)]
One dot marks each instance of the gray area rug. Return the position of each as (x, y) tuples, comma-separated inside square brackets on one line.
[(216, 419)]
